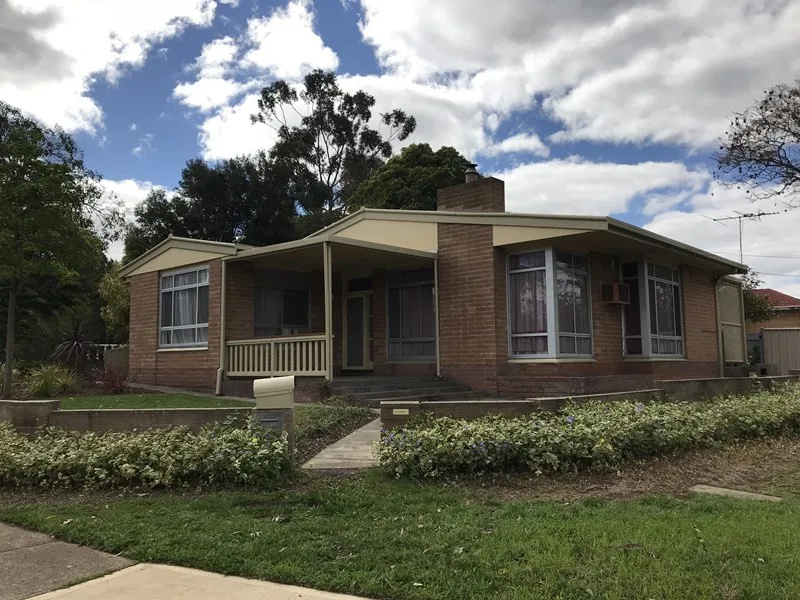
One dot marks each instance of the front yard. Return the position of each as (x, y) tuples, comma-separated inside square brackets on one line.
[(149, 401), (383, 538)]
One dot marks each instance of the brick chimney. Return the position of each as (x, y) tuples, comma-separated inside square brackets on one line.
[(476, 194)]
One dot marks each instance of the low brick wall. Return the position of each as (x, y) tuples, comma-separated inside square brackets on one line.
[(680, 390), (27, 415), (307, 389), (115, 419), (396, 413)]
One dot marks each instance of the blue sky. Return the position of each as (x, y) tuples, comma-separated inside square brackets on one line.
[(609, 107)]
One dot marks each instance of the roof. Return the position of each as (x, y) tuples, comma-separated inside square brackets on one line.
[(170, 242), (588, 222), (319, 240), (778, 299)]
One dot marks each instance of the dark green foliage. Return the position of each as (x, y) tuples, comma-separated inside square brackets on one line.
[(243, 199), (757, 308), (410, 179)]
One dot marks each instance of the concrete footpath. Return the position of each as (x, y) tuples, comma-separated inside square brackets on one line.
[(32, 563), (354, 451), (163, 582)]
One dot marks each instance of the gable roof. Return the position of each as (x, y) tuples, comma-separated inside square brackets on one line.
[(778, 299), (587, 222), (202, 247)]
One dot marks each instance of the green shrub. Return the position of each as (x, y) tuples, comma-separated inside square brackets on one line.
[(599, 436), (224, 455), (48, 380)]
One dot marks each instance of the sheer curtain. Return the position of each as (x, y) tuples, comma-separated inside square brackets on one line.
[(528, 312)]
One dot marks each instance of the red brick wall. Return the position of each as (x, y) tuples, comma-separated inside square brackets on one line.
[(239, 303), (483, 195), (468, 345), (191, 369)]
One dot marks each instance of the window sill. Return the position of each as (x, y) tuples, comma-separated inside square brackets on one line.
[(187, 349), (656, 359), (550, 361)]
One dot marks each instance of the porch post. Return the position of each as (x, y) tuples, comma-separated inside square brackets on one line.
[(436, 311), (328, 276), (223, 351)]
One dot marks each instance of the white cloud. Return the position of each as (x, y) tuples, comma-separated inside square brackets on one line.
[(145, 145), (613, 70), (72, 43), (207, 93), (229, 131), (577, 186), (526, 143), (763, 241), (132, 127), (285, 43)]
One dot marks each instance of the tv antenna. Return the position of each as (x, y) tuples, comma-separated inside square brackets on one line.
[(741, 217)]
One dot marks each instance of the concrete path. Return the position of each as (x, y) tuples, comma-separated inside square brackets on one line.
[(718, 491), (354, 451), (162, 582), (33, 563)]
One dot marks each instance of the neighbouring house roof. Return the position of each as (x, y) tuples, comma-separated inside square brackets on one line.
[(510, 228), (778, 299), (175, 252)]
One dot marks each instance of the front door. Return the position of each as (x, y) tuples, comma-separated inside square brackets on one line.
[(357, 331)]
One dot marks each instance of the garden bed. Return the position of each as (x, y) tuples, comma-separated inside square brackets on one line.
[(592, 436)]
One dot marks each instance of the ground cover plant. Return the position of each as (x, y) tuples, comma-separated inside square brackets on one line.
[(590, 436)]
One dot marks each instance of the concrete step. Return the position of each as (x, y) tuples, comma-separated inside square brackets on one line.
[(376, 402), (411, 391)]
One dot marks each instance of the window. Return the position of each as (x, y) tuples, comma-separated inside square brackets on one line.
[(572, 299), (652, 322), (411, 314), (527, 283), (280, 311), (664, 302), (548, 304), (184, 308)]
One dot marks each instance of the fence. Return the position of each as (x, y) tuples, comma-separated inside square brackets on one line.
[(781, 348), (117, 359)]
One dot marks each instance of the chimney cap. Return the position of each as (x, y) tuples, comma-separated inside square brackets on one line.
[(471, 174)]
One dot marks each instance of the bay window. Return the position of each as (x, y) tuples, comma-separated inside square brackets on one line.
[(653, 321), (184, 308), (548, 305)]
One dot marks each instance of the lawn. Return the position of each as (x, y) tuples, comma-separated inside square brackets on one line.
[(149, 401), (383, 538)]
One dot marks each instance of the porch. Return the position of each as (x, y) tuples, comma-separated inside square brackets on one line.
[(324, 307)]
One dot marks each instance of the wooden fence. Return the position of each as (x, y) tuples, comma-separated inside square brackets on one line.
[(117, 359)]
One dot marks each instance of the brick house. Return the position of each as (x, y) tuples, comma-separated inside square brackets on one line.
[(512, 305), (787, 311)]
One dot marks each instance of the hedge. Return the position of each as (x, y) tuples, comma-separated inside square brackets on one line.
[(590, 436), (222, 455)]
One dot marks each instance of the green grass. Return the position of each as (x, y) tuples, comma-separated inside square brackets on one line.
[(383, 538), (149, 401)]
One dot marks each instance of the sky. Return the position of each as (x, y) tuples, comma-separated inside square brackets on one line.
[(608, 107)]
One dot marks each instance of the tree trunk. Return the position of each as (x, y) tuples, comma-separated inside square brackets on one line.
[(12, 309)]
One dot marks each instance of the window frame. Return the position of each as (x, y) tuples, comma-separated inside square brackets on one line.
[(197, 325), (394, 340), (643, 281), (551, 304)]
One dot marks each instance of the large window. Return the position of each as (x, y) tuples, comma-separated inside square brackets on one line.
[(548, 304), (411, 314), (280, 311), (184, 308), (653, 322)]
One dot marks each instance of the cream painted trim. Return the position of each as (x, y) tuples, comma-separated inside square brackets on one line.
[(334, 240), (504, 235), (412, 235), (223, 350), (549, 361), (212, 249), (190, 349)]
